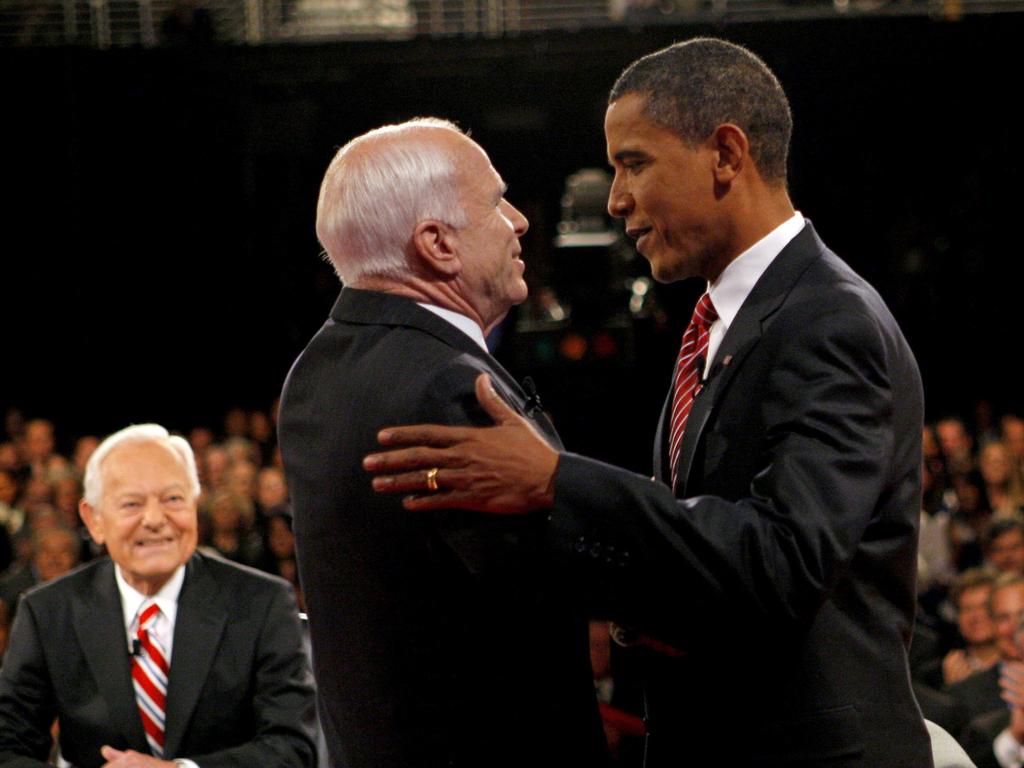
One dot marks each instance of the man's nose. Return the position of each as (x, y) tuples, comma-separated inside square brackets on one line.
[(519, 222), (153, 514), (620, 202)]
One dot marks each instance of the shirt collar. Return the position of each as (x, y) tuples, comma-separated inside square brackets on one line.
[(463, 323), (737, 280), (166, 599)]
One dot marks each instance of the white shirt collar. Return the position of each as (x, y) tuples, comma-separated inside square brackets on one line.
[(737, 280), (463, 323), (166, 599)]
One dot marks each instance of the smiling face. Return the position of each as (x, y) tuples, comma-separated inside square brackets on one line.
[(491, 277), (147, 513), (666, 193)]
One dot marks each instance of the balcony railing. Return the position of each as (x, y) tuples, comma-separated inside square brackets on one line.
[(119, 23)]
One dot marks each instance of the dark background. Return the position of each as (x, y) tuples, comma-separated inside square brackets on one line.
[(159, 260)]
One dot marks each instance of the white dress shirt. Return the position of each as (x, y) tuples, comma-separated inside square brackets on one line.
[(737, 280), (463, 323), (167, 601)]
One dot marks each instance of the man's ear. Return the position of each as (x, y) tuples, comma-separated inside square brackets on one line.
[(436, 245), (91, 517), (732, 152)]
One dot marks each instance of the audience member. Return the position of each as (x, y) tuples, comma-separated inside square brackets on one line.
[(1001, 478), (38, 450), (956, 445), (1004, 545), (55, 551), (224, 641), (980, 693), (971, 594), (996, 739), (231, 533)]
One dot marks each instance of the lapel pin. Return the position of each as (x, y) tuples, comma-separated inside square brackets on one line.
[(727, 360)]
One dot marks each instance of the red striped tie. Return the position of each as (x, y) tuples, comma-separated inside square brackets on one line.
[(149, 675), (689, 374)]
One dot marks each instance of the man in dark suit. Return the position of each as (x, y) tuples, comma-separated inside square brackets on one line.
[(157, 656), (769, 575), (435, 637)]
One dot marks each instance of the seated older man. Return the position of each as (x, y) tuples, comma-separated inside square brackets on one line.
[(157, 656)]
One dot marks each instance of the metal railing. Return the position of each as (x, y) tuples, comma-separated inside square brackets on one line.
[(118, 23)]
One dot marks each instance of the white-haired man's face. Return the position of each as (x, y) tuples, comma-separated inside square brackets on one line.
[(147, 514), (491, 278)]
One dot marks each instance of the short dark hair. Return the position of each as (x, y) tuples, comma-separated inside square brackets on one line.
[(1001, 527), (694, 86)]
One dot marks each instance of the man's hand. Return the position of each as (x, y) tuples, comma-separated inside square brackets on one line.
[(955, 667), (505, 469), (129, 758)]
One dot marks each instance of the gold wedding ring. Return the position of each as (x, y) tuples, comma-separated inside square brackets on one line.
[(432, 479)]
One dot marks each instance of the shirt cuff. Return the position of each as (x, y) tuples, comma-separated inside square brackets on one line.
[(189, 764), (1009, 752)]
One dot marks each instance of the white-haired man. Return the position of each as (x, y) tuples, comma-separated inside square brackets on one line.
[(157, 656), (436, 639)]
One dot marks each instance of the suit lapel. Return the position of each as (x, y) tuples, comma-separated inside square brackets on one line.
[(764, 299), (197, 632), (99, 625)]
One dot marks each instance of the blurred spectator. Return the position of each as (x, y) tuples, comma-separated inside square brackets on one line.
[(37, 449), (14, 423), (1004, 545), (84, 447), (215, 466), (261, 432), (956, 445), (200, 438), (980, 693), (271, 490), (54, 552), (1001, 479), (1013, 438), (279, 552), (12, 517), (996, 739), (10, 459), (970, 594), (231, 532), (236, 424)]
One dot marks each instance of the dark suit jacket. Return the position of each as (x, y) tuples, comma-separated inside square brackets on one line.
[(979, 693), (980, 735), (239, 692), (784, 565), (436, 638)]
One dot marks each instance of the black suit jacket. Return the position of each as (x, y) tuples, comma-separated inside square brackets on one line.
[(979, 737), (239, 691), (436, 638), (785, 563)]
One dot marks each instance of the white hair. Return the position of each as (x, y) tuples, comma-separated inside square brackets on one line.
[(376, 190), (137, 433)]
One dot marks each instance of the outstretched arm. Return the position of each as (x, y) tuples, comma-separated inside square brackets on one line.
[(505, 469)]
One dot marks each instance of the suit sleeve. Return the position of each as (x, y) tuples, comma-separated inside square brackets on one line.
[(773, 553), (27, 706), (494, 547), (283, 705)]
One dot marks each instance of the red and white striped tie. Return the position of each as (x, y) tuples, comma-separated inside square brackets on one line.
[(689, 374), (149, 675)]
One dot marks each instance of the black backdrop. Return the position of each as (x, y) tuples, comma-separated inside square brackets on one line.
[(158, 254)]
